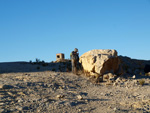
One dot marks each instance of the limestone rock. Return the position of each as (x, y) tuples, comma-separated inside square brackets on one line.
[(118, 80), (115, 84), (134, 77), (60, 96), (19, 108), (2, 110), (79, 97), (133, 66), (79, 110), (100, 61), (109, 77), (2, 104)]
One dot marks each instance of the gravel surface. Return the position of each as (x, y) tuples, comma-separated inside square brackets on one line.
[(64, 92)]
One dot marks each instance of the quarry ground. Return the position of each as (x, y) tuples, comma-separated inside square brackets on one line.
[(64, 92)]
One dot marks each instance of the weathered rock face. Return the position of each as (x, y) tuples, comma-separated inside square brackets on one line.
[(134, 66), (100, 61)]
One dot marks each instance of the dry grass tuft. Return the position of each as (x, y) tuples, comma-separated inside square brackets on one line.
[(147, 74), (142, 82)]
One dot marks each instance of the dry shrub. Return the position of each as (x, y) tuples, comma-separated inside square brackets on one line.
[(147, 74), (96, 78), (86, 73), (141, 82), (80, 72)]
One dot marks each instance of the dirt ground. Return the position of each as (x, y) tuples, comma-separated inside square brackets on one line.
[(64, 92)]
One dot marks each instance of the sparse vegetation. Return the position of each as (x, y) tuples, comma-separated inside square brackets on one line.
[(93, 78), (147, 74), (140, 73), (141, 82), (39, 62), (86, 73), (80, 71), (30, 61)]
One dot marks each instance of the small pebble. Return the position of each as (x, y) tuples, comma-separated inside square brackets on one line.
[(134, 77), (60, 96), (79, 97), (80, 110)]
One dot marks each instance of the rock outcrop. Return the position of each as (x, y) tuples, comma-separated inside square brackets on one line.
[(100, 61), (134, 66), (147, 68)]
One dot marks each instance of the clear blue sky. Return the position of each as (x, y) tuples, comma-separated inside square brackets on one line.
[(32, 29)]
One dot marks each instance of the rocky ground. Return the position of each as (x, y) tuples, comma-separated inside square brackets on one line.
[(41, 87), (64, 92)]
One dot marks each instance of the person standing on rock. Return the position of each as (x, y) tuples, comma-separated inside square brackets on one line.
[(74, 60)]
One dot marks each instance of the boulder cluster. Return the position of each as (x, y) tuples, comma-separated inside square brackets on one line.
[(107, 64)]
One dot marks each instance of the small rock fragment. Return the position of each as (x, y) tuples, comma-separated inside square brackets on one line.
[(2, 110), (1, 86), (109, 107), (9, 93), (115, 109), (79, 97), (111, 80), (118, 79), (20, 93), (20, 100), (60, 96), (19, 108), (79, 110), (86, 100), (60, 87), (115, 84), (134, 77), (1, 104)]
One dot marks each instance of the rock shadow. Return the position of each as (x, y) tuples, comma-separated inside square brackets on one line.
[(97, 100), (15, 67)]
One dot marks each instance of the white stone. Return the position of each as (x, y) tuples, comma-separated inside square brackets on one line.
[(134, 77), (115, 84), (60, 96), (2, 103), (79, 97), (19, 108), (100, 61), (80, 110), (115, 109), (1, 86), (118, 79)]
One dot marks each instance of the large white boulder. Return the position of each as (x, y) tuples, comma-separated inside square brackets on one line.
[(100, 61)]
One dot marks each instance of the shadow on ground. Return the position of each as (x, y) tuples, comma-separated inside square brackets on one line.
[(15, 67)]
